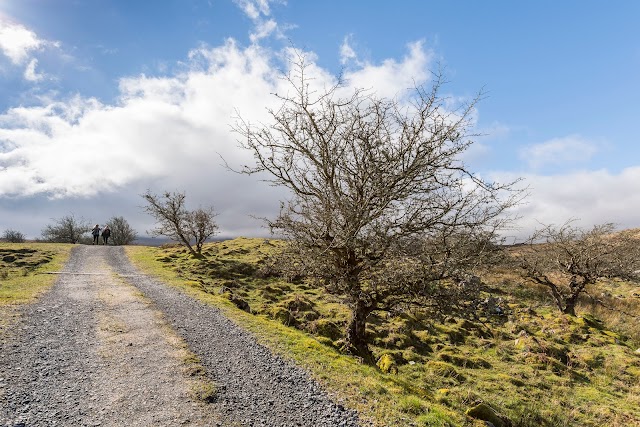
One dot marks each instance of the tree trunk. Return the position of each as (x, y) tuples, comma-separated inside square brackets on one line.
[(356, 331)]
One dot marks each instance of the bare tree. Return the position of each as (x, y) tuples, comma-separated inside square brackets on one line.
[(373, 180), (121, 231), (568, 259), (13, 236), (67, 229), (178, 223)]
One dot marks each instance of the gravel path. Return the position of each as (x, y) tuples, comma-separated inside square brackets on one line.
[(93, 352)]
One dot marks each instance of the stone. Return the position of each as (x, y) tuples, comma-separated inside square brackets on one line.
[(485, 412)]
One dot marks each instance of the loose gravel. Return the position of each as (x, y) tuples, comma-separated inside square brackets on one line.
[(57, 360), (256, 387)]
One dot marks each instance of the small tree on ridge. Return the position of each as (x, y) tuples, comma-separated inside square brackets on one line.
[(178, 223), (568, 259), (121, 231), (67, 229)]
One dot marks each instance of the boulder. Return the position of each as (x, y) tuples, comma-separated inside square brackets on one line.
[(485, 412)]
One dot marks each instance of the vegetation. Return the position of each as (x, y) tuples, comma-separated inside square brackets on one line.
[(516, 360), (67, 229), (13, 236), (121, 231), (178, 223), (19, 264), (384, 212), (574, 259)]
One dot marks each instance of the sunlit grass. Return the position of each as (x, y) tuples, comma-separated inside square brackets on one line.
[(534, 365), (22, 266)]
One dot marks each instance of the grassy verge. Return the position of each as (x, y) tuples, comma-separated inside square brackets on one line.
[(20, 265), (383, 399), (532, 364)]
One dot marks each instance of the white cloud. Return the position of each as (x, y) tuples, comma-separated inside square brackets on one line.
[(570, 150), (392, 77), (167, 132), (347, 52), (259, 11), (263, 30), (592, 197), (30, 73), (17, 42)]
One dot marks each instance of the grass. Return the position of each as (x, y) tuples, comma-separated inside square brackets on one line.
[(21, 265), (533, 365)]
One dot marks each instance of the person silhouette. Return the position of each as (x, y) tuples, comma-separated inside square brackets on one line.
[(96, 233), (106, 232)]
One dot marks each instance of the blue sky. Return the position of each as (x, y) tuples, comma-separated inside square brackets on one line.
[(101, 99)]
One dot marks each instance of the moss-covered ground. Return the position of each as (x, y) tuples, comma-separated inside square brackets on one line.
[(532, 365), (21, 268)]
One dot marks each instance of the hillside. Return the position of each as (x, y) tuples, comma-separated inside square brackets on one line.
[(518, 355)]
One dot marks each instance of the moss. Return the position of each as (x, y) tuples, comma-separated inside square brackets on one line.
[(590, 321), (486, 413), (387, 364), (325, 328), (444, 369)]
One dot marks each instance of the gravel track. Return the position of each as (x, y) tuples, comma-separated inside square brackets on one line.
[(256, 387), (89, 352)]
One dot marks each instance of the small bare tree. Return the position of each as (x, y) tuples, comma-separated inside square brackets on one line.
[(568, 259), (373, 182), (67, 229), (13, 236), (178, 223), (121, 231)]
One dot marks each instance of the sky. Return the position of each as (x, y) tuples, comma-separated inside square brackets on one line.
[(101, 100)]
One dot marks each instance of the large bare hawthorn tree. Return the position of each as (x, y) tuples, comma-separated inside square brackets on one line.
[(175, 221), (568, 259), (380, 198)]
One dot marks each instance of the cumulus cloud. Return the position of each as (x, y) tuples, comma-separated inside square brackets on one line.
[(569, 150), (591, 197), (168, 132), (19, 44), (393, 77)]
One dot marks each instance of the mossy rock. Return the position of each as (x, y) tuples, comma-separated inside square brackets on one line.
[(387, 364), (590, 321), (444, 369), (487, 413), (282, 315), (462, 361), (298, 303), (325, 328)]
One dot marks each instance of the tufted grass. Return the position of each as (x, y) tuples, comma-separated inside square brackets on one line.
[(534, 365), (21, 268)]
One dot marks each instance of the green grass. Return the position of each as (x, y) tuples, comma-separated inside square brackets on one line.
[(21, 265), (534, 366)]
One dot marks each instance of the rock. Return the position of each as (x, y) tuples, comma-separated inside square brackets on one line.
[(485, 412)]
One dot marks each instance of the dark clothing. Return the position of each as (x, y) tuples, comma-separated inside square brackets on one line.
[(96, 234), (105, 235)]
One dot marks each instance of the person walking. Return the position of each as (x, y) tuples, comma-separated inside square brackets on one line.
[(105, 235), (95, 232)]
